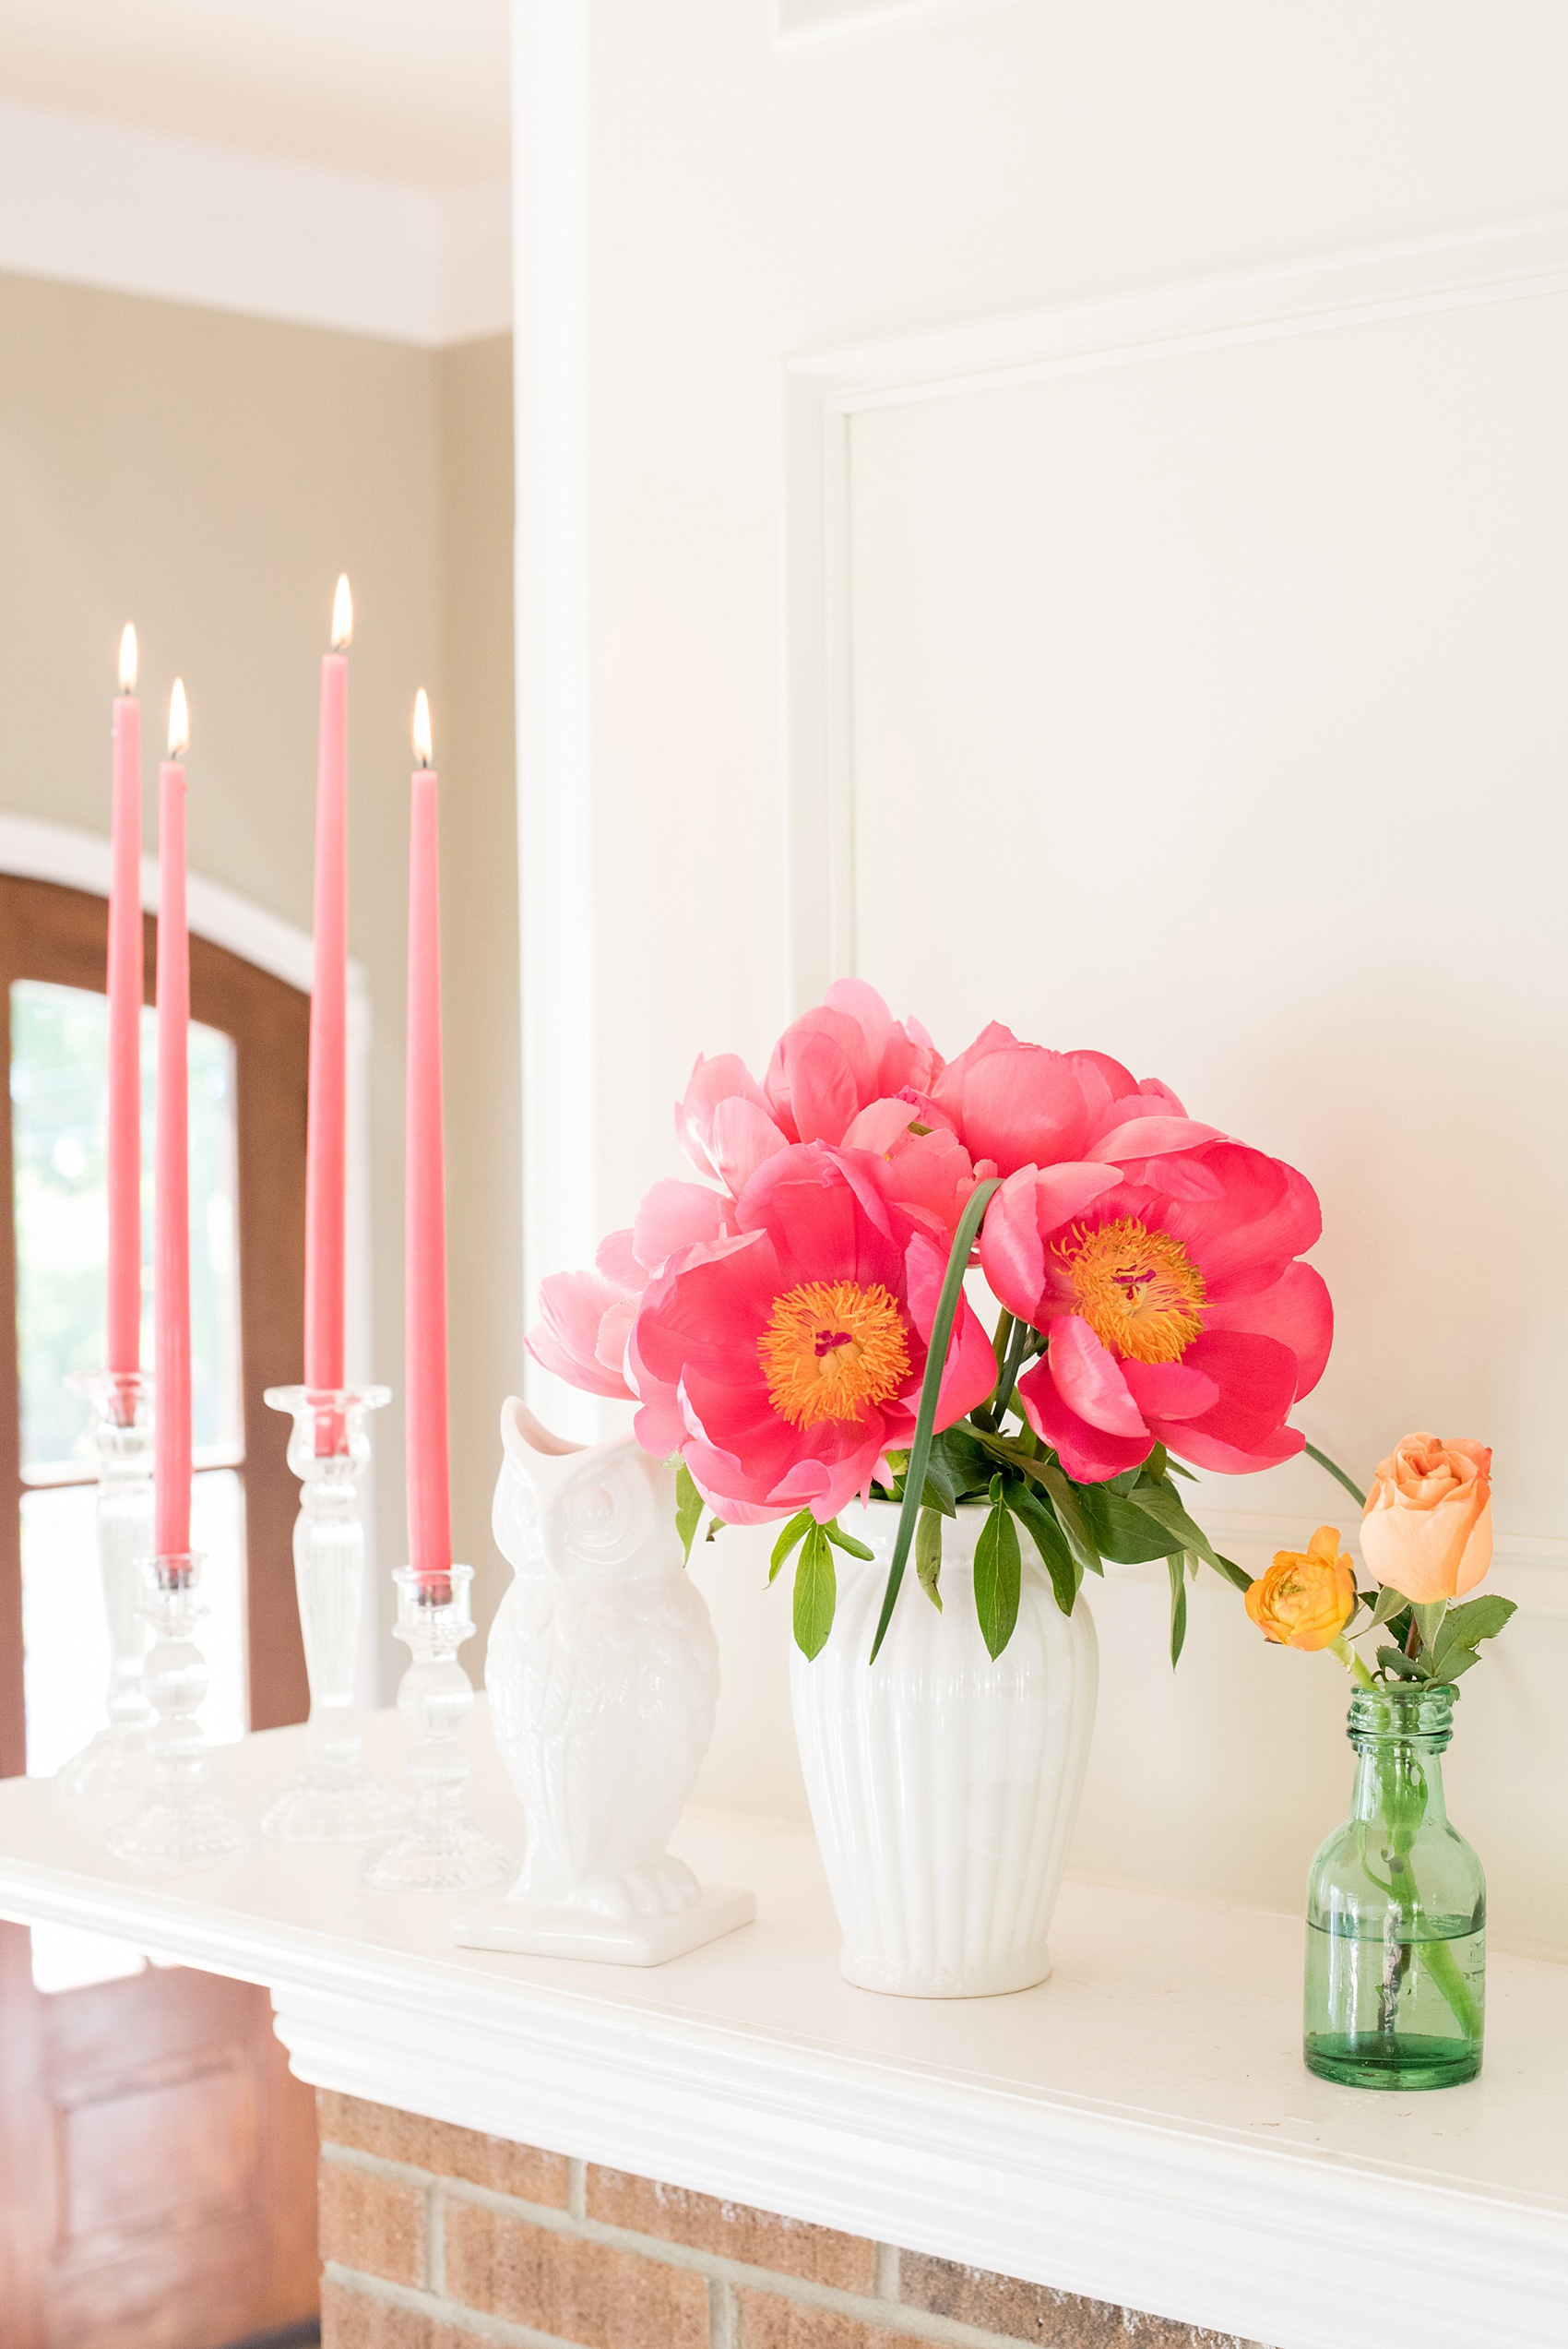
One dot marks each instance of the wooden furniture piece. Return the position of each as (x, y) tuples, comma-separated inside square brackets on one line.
[(157, 2162)]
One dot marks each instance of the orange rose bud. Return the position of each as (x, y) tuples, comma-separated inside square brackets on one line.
[(1308, 1596), (1427, 1529)]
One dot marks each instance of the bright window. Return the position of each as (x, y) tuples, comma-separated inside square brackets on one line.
[(59, 1098)]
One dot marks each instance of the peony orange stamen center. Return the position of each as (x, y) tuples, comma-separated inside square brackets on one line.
[(1139, 1291), (831, 1350)]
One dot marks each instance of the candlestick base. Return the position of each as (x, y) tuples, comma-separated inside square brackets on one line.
[(180, 1819), (441, 1849), (113, 1765), (335, 1799)]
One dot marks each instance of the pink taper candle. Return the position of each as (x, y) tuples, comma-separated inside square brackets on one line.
[(124, 1021), (327, 1128), (424, 1366), (172, 1258)]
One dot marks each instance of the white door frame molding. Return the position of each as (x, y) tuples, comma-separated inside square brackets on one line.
[(553, 621), (822, 391), (36, 850)]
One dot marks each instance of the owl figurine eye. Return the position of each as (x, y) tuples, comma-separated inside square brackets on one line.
[(603, 1523)]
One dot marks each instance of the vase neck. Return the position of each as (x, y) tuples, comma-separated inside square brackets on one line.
[(1396, 1776)]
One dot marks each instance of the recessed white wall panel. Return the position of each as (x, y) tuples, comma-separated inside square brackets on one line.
[(1209, 711)]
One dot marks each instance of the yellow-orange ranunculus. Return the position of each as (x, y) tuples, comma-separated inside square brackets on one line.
[(1427, 1529), (1308, 1596)]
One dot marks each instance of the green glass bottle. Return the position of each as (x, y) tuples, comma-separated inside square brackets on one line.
[(1396, 1911)]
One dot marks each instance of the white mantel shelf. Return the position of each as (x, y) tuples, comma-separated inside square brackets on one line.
[(1139, 2128)]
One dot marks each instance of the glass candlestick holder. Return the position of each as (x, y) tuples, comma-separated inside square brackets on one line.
[(113, 1765), (179, 1819), (440, 1848), (335, 1798)]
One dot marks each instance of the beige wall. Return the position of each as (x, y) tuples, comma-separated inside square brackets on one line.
[(208, 476)]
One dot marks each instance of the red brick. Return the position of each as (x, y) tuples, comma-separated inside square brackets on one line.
[(351, 2319), (767, 2323), (373, 2224), (583, 2292), (789, 2247), (434, 2145), (1034, 2312)]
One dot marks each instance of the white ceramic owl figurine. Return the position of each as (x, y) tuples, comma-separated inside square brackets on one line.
[(603, 1678)]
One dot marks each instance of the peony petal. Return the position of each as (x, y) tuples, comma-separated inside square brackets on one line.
[(1086, 1452), (1170, 1390), (676, 1215), (616, 1258), (1032, 1205), (880, 1125), (1243, 1241), (566, 1338), (1012, 1253), (1297, 1311), (822, 1090), (712, 1082), (614, 1333), (1089, 1379), (1024, 1107), (1244, 1430), (969, 1373), (743, 1137), (1151, 1138)]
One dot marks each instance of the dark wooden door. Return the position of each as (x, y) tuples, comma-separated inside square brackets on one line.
[(157, 2158)]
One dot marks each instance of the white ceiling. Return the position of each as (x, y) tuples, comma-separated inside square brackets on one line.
[(413, 90)]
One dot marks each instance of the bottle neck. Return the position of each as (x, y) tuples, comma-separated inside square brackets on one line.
[(1399, 1776), (1400, 1735)]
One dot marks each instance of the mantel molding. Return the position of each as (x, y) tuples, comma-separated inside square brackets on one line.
[(1138, 2131)]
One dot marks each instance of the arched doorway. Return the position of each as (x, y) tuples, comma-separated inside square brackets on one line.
[(160, 2189)]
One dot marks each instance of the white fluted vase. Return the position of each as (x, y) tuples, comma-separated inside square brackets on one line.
[(943, 1786)]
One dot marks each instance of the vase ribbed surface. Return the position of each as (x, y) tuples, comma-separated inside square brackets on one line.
[(944, 1785)]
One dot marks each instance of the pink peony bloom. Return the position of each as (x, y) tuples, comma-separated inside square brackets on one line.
[(832, 1062), (585, 1318), (1173, 1300), (584, 1321), (1021, 1106), (785, 1361), (724, 1124)]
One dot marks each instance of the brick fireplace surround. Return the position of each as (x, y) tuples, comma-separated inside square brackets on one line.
[(435, 2238)]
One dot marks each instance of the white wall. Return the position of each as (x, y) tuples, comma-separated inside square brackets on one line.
[(1203, 703)]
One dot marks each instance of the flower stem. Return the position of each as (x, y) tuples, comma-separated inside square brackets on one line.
[(1334, 1469), (1352, 1663)]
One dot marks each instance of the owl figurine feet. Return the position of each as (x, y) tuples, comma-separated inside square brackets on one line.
[(603, 1678)]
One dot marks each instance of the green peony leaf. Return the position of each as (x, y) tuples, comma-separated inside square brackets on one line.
[(928, 1554), (816, 1592), (842, 1541), (1056, 1555), (688, 1509), (794, 1531), (998, 1573), (1176, 1568)]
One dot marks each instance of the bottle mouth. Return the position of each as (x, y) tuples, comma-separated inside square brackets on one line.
[(1421, 1712)]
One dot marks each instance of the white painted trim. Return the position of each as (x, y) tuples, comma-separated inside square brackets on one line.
[(1189, 2166), (797, 25), (554, 722), (181, 220), (825, 391), (42, 851)]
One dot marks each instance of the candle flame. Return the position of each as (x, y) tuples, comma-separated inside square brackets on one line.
[(128, 659), (179, 722), (342, 615), (421, 728)]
